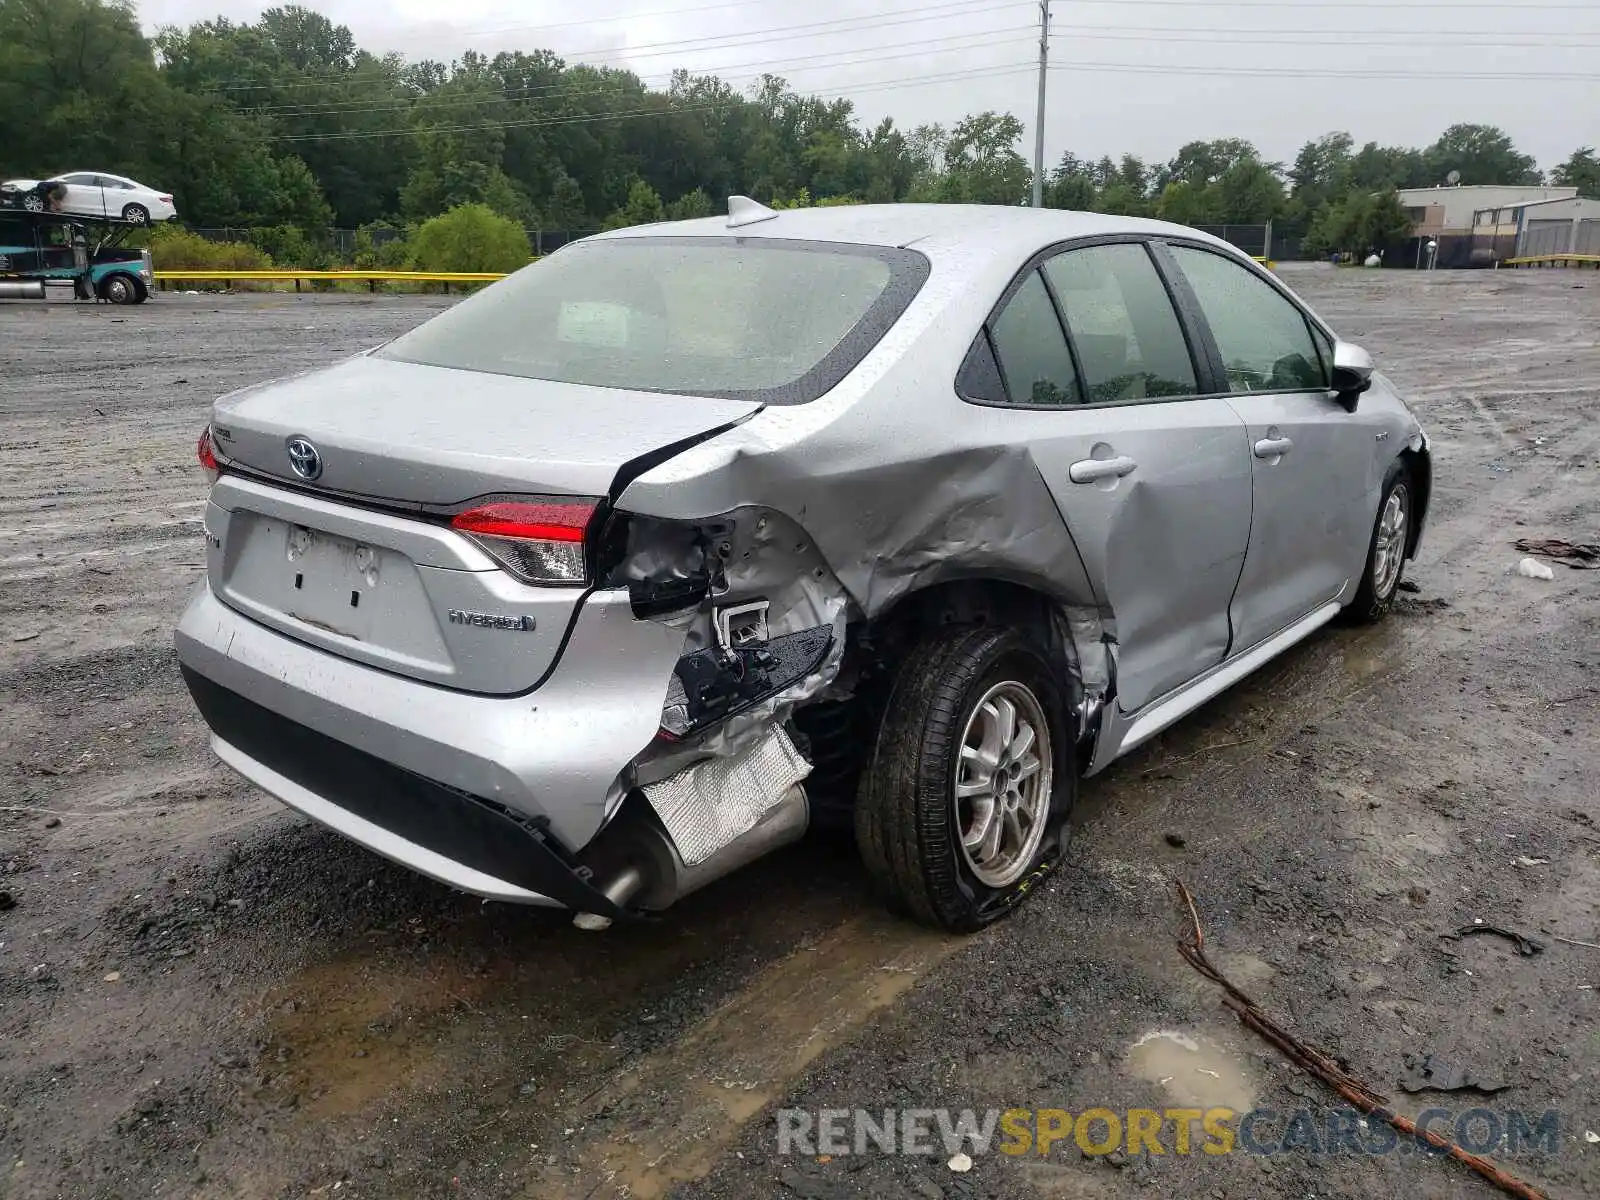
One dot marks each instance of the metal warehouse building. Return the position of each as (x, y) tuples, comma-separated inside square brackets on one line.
[(1478, 224), (1555, 227)]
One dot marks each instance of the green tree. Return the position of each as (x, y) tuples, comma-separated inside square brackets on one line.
[(1482, 153), (1190, 203), (981, 162), (1203, 163), (1582, 171), (471, 237), (1358, 224), (644, 207), (1249, 193), (689, 206), (1071, 185)]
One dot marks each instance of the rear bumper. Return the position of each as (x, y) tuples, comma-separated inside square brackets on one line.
[(549, 760)]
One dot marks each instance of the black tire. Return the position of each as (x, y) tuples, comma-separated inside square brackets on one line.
[(136, 214), (121, 288), (907, 824), (1375, 595)]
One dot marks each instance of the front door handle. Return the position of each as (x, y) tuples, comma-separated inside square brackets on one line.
[(1272, 447), (1089, 470)]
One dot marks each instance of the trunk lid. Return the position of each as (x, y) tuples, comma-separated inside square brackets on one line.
[(358, 560), (414, 435)]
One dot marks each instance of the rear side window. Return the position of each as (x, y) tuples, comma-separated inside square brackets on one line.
[(745, 318), (1129, 343), (1033, 352), (1265, 340)]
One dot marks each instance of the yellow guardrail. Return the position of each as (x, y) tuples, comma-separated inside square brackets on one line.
[(1555, 260), (291, 275)]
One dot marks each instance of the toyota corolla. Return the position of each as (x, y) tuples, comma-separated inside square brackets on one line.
[(632, 566)]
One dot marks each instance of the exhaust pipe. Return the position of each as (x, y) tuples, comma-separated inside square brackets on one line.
[(644, 868)]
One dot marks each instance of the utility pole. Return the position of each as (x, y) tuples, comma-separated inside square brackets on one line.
[(1038, 123)]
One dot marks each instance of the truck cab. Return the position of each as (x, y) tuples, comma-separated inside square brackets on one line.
[(40, 248)]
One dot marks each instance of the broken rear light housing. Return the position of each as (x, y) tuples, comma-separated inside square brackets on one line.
[(538, 539), (206, 452)]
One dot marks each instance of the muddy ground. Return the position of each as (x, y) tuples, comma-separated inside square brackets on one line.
[(203, 995)]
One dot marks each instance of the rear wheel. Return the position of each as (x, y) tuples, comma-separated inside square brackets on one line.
[(1386, 551), (121, 288), (964, 802), (136, 214)]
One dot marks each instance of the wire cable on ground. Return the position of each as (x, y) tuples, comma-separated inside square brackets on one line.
[(1192, 946)]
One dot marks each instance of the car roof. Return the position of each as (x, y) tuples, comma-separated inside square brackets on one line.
[(1004, 230)]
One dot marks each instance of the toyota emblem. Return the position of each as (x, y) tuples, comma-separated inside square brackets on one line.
[(304, 458)]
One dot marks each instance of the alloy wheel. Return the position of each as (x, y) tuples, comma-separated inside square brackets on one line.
[(1389, 544), (1003, 784)]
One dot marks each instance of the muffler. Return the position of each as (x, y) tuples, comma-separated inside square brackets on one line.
[(638, 862)]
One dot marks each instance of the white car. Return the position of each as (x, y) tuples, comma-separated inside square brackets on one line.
[(96, 194)]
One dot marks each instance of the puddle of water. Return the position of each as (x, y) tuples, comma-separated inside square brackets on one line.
[(1195, 1073)]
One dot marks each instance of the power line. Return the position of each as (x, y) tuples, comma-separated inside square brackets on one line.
[(1340, 37), (1199, 5), (566, 91), (737, 40), (676, 110), (1298, 72)]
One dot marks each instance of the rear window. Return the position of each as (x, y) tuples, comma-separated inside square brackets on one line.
[(744, 318)]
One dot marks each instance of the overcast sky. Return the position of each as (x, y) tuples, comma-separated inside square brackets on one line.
[(1140, 76)]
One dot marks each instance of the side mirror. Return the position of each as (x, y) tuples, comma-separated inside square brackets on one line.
[(1352, 373)]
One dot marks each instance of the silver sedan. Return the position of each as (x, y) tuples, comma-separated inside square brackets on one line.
[(631, 567)]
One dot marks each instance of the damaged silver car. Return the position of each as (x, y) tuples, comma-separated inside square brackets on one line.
[(631, 567)]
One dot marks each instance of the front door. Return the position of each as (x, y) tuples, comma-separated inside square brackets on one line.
[(1152, 481), (1310, 459)]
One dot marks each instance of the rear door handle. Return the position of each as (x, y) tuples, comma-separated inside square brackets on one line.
[(1088, 470), (1272, 447)]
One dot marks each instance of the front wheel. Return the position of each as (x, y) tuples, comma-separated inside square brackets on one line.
[(1386, 551), (33, 202), (121, 289), (964, 802)]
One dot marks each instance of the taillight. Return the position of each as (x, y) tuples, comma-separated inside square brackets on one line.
[(207, 455), (166, 199), (538, 539)]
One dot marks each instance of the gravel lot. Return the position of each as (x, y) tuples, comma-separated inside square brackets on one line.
[(203, 995)]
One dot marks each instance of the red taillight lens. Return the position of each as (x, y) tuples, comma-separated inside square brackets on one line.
[(166, 199), (207, 455), (539, 539)]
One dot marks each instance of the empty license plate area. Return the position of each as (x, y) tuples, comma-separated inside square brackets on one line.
[(309, 581)]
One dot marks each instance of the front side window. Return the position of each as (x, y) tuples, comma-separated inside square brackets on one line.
[(80, 179), (1033, 353), (1264, 339), (1123, 326), (744, 318)]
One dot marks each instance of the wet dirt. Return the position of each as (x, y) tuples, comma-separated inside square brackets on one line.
[(203, 995)]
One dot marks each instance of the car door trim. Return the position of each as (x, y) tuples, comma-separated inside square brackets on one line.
[(1204, 357), (1130, 729), (1163, 254)]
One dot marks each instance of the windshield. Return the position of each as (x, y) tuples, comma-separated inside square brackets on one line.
[(743, 318)]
